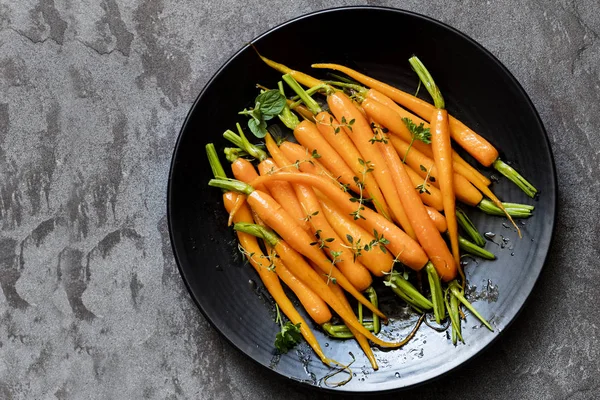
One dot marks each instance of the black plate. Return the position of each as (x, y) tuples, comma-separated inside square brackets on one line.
[(478, 90)]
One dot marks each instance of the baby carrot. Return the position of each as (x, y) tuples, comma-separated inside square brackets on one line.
[(308, 135), (300, 268), (284, 193), (313, 304), (360, 338), (400, 244), (331, 130), (365, 246), (386, 101), (259, 261), (463, 188), (428, 235), (357, 127), (442, 153), (326, 237)]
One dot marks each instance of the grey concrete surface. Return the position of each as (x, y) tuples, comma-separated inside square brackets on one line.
[(92, 96)]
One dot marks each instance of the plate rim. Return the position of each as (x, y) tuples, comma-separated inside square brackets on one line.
[(533, 282)]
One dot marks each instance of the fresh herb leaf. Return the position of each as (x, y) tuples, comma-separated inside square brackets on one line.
[(267, 105), (418, 132), (258, 128), (288, 337), (271, 102)]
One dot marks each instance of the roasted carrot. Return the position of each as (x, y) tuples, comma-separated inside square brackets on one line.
[(309, 136), (428, 235), (299, 267), (284, 193), (386, 101), (331, 130), (375, 257), (326, 237), (313, 304), (357, 127)]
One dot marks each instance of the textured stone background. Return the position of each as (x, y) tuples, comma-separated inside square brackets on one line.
[(92, 96)]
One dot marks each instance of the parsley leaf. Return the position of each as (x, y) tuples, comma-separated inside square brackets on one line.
[(418, 132), (288, 337)]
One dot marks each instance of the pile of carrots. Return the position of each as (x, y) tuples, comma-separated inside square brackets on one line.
[(368, 187)]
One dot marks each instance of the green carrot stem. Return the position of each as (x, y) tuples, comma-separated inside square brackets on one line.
[(357, 88), (515, 177), (428, 82), (342, 331), (515, 210), (310, 91), (407, 292), (213, 160), (286, 116), (259, 231), (341, 78), (231, 185), (372, 295), (233, 153), (437, 296), (475, 250), (312, 105), (243, 143), (360, 313), (456, 290), (470, 229), (452, 306)]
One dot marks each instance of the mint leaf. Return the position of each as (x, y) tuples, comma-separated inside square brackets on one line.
[(271, 104), (258, 127)]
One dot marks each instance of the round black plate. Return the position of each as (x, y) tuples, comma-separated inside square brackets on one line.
[(478, 90)]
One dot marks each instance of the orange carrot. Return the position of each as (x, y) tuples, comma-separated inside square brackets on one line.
[(426, 231), (310, 137), (269, 278), (298, 266), (326, 236), (302, 111), (360, 338), (474, 144), (400, 244), (300, 155), (442, 153), (357, 127), (330, 128), (463, 188), (279, 220), (284, 193), (386, 101), (430, 195), (378, 261), (438, 219), (313, 304), (244, 171)]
